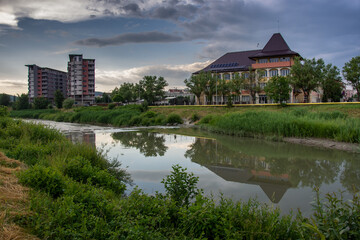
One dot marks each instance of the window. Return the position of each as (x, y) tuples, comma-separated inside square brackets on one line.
[(263, 60), (245, 99), (284, 72), (262, 85), (274, 60), (226, 76), (273, 73), (246, 75), (264, 73), (285, 59)]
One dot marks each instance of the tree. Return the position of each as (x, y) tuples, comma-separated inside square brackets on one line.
[(251, 82), (237, 84), (278, 89), (41, 103), (210, 86), (307, 75), (224, 87), (22, 102), (153, 88), (125, 93), (59, 98), (68, 103), (351, 72), (332, 84), (196, 84), (4, 99)]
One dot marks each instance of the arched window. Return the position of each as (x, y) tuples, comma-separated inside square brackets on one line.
[(273, 73)]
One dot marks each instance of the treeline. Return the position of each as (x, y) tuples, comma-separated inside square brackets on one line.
[(306, 75), (149, 89), (77, 194)]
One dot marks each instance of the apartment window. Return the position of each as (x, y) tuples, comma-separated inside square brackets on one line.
[(245, 99), (246, 75), (274, 60), (284, 72), (263, 60), (273, 73), (226, 76), (285, 59)]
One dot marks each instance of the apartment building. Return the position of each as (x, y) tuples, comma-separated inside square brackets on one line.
[(81, 79), (275, 59), (44, 81)]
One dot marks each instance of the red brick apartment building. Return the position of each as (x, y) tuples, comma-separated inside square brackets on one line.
[(43, 82), (81, 79), (78, 83)]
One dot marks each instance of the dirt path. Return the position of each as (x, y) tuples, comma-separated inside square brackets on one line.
[(14, 200), (325, 143)]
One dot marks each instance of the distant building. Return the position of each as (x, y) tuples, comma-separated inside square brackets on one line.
[(275, 59), (175, 96), (81, 79), (43, 82)]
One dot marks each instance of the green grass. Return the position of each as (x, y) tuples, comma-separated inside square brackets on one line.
[(300, 122), (78, 194), (130, 115)]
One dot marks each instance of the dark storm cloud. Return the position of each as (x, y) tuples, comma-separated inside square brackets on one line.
[(133, 8), (144, 37)]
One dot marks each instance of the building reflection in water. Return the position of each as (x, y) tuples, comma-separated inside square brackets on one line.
[(274, 167), (82, 137)]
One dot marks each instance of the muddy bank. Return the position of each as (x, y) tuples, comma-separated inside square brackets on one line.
[(325, 143)]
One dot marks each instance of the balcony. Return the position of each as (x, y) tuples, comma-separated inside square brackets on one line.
[(272, 64)]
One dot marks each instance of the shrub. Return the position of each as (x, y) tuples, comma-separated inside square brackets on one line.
[(81, 170), (111, 106), (180, 186), (68, 103), (45, 179), (3, 111), (195, 117), (174, 118)]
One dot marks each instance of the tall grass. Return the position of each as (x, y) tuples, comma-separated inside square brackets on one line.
[(297, 123), (130, 115)]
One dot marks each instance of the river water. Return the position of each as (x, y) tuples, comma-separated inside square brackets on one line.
[(279, 174)]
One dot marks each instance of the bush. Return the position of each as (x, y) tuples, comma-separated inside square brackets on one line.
[(81, 170), (45, 179), (111, 106), (174, 118), (3, 111), (68, 103), (195, 117), (180, 186)]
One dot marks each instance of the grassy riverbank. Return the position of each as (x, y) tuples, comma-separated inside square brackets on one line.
[(130, 115), (77, 194)]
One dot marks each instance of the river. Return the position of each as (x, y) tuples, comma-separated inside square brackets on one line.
[(279, 174)]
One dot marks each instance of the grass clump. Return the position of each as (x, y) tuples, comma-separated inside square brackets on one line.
[(173, 119)]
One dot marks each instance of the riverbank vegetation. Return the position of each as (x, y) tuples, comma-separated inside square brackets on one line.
[(75, 193), (296, 123), (130, 115)]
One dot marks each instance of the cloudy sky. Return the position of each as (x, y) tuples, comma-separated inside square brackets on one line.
[(133, 38)]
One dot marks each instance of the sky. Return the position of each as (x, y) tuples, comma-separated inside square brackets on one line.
[(130, 39)]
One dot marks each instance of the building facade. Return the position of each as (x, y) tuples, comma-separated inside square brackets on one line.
[(43, 82), (275, 59), (81, 79)]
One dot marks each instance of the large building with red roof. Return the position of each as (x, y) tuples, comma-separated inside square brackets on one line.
[(275, 59)]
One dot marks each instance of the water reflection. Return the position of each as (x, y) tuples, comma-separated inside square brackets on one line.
[(148, 143), (264, 164), (88, 137), (274, 167)]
